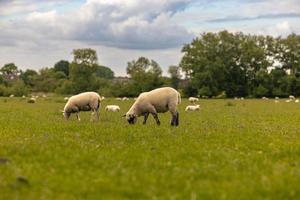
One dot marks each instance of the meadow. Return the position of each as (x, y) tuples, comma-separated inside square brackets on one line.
[(229, 150)]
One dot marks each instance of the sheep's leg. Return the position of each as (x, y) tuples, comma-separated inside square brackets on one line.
[(77, 115), (177, 119), (156, 118), (145, 118)]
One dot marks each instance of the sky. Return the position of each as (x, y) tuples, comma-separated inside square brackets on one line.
[(37, 33)]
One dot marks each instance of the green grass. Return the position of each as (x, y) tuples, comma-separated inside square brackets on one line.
[(248, 150)]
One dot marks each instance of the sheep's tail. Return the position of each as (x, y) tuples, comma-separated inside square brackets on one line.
[(179, 98)]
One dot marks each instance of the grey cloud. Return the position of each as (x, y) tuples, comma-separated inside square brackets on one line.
[(267, 16)]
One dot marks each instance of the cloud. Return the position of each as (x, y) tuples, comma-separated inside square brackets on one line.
[(117, 23)]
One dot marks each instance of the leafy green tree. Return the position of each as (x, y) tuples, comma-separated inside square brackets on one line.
[(62, 66), (103, 72), (10, 72), (174, 71), (145, 74), (86, 56)]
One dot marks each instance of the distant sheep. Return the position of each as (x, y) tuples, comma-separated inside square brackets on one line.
[(119, 99), (23, 96), (291, 97), (192, 108), (125, 99), (193, 99), (156, 101), (276, 101), (277, 98), (31, 100), (11, 96), (87, 101), (297, 101), (265, 98), (112, 108)]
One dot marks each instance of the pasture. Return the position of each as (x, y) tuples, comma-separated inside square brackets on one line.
[(239, 150)]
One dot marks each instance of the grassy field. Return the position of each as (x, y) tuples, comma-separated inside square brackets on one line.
[(240, 150)]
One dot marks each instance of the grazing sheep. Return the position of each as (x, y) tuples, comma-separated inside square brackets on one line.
[(291, 97), (11, 96), (193, 99), (44, 96), (288, 100), (102, 98), (87, 101), (23, 96), (125, 99), (112, 108), (242, 98), (276, 101), (192, 108), (31, 100), (119, 99), (156, 101), (277, 98), (297, 101), (265, 98)]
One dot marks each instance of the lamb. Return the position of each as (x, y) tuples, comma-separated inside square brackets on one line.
[(193, 99), (156, 101), (82, 102), (112, 108), (192, 108)]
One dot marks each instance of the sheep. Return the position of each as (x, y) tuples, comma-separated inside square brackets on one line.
[(277, 98), (297, 101), (125, 99), (276, 101), (112, 108), (11, 96), (82, 102), (288, 100), (265, 98), (119, 99), (192, 108), (23, 96), (102, 98), (44, 96), (291, 97), (66, 98), (156, 101), (193, 99), (31, 100)]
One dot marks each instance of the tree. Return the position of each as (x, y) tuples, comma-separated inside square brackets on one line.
[(29, 77), (10, 72), (62, 66), (85, 56), (174, 71), (103, 72), (145, 74)]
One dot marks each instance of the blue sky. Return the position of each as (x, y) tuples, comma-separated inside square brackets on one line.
[(36, 34)]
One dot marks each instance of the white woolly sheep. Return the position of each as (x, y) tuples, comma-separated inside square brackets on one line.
[(192, 108), (276, 101), (119, 99), (156, 101), (193, 99), (87, 101), (11, 96), (265, 98), (112, 108), (31, 100), (277, 98), (125, 99), (297, 101), (291, 97), (23, 96)]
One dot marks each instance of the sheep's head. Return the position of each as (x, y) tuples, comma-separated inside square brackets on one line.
[(66, 114), (131, 118)]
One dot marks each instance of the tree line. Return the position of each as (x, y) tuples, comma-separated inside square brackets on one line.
[(219, 64)]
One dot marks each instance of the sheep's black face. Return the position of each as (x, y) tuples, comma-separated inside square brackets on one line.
[(66, 115), (131, 119)]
